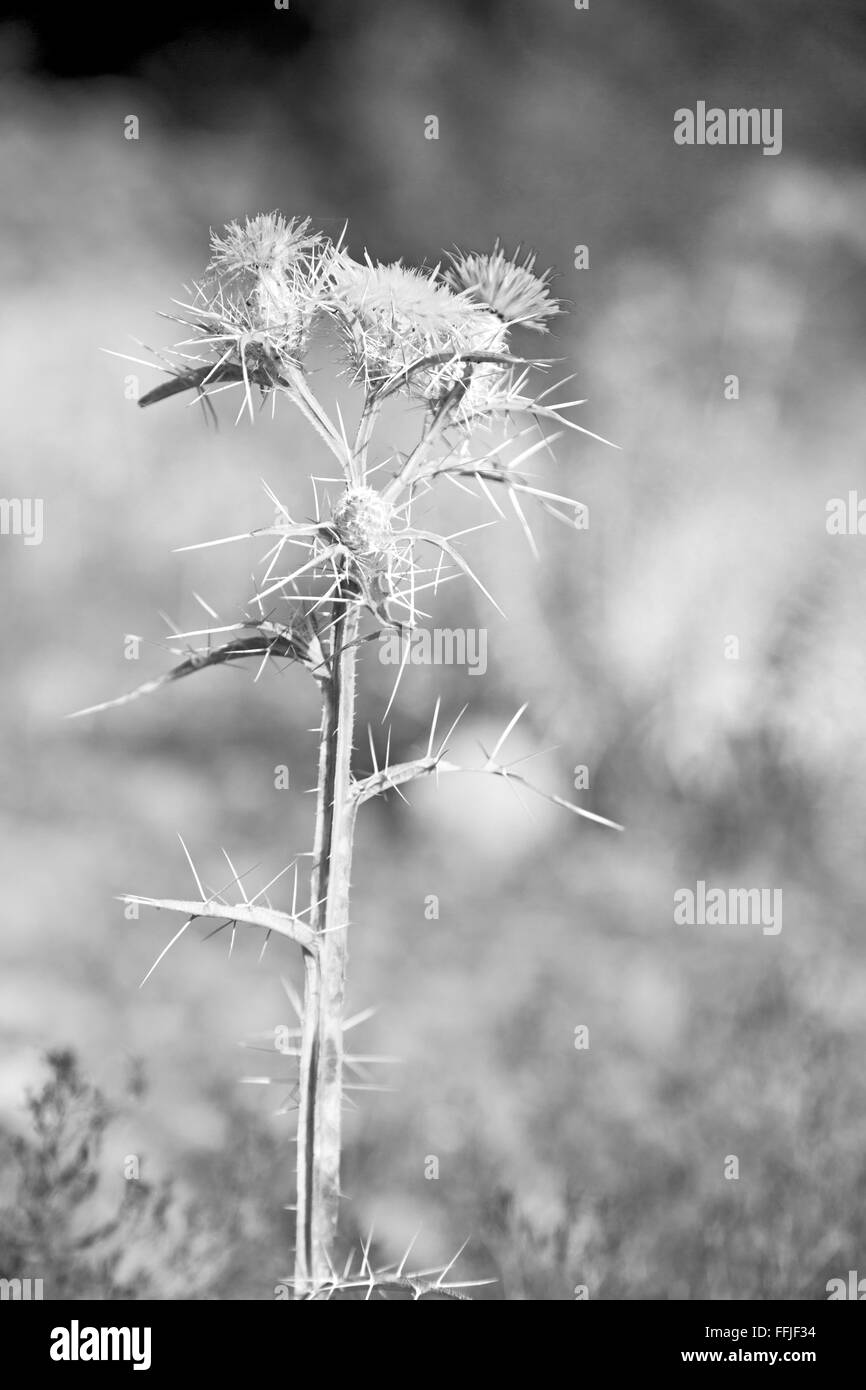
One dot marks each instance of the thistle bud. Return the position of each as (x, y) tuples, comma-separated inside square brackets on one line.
[(362, 520)]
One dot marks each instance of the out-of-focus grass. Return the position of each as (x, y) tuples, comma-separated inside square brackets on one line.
[(601, 1167)]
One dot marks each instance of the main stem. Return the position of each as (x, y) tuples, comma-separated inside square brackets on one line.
[(321, 1062)]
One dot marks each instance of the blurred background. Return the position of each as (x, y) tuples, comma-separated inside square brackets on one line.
[(602, 1167)]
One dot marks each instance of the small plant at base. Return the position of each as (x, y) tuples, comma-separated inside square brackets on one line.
[(440, 338)]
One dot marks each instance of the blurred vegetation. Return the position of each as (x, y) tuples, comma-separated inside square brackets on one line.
[(91, 1228), (601, 1167)]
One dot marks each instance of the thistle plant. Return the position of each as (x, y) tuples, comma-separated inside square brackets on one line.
[(357, 566)]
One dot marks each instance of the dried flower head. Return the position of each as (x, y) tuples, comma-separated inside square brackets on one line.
[(508, 287)]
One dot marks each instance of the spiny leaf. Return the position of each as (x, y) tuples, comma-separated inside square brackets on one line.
[(236, 650)]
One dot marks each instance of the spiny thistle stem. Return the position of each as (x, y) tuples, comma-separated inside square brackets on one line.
[(321, 1063)]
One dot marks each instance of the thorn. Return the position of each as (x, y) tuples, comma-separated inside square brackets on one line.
[(433, 726), (192, 866), (164, 952), (293, 998), (359, 1018), (504, 735), (453, 1262), (402, 1264), (237, 878)]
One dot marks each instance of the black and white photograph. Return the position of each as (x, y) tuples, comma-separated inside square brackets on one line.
[(433, 737)]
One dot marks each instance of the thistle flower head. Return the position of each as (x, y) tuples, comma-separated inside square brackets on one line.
[(415, 300), (508, 287), (396, 318), (255, 326), (264, 245), (263, 289), (362, 520)]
